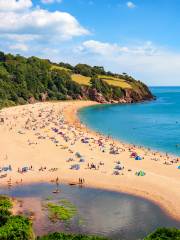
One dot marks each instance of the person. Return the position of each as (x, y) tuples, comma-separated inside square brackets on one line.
[(57, 180)]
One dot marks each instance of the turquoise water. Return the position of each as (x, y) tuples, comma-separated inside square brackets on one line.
[(154, 124)]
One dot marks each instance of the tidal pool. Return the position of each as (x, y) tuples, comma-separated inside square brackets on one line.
[(112, 214)]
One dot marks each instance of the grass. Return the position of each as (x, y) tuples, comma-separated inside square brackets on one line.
[(63, 210), (60, 68), (5, 202), (115, 81), (81, 79), (110, 80)]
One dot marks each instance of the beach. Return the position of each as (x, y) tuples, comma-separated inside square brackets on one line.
[(45, 142)]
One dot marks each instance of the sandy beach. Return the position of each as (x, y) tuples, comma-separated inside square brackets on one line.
[(46, 141)]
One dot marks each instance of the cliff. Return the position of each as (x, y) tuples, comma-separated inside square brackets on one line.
[(32, 79)]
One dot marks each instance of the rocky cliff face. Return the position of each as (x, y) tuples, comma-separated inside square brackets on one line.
[(128, 96), (131, 95)]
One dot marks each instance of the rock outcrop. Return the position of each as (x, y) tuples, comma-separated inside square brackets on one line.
[(128, 96)]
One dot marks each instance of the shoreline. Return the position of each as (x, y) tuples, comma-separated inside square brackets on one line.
[(145, 195), (155, 188), (118, 140)]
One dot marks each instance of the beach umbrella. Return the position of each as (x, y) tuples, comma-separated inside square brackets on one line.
[(81, 160), (78, 155)]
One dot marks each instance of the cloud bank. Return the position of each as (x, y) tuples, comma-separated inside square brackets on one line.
[(28, 23), (152, 64)]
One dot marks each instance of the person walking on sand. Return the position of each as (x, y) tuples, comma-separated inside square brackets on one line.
[(57, 180)]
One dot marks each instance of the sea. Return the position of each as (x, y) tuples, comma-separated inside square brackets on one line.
[(152, 124)]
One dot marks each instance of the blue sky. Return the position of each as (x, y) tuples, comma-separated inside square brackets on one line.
[(140, 37)]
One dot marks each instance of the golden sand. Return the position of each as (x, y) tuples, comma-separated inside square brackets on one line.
[(29, 139)]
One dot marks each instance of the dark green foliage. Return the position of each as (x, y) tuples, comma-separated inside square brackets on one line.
[(63, 236), (66, 65), (108, 91), (88, 71), (62, 85), (22, 79), (83, 69), (164, 234), (5, 202), (101, 86), (13, 227), (16, 228), (4, 216)]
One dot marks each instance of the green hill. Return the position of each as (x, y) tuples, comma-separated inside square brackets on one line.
[(110, 80), (24, 80)]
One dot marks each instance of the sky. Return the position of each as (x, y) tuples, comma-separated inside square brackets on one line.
[(139, 37)]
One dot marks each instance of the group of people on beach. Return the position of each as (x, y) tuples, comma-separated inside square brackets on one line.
[(50, 124)]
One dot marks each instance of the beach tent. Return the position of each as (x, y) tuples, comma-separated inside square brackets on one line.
[(75, 167), (84, 140), (140, 173), (5, 169), (178, 167), (25, 169), (133, 154), (118, 167), (78, 155), (138, 158), (82, 160)]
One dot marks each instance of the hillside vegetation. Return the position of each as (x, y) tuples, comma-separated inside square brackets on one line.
[(114, 81), (24, 80)]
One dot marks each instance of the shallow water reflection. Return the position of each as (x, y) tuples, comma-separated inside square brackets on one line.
[(117, 215)]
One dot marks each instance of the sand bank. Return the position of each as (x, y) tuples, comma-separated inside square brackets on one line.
[(45, 138)]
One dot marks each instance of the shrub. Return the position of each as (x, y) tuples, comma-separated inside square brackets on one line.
[(63, 236), (164, 234)]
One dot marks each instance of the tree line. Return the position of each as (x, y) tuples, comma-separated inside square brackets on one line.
[(22, 79)]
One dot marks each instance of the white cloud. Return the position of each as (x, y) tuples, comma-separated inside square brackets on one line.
[(152, 64), (130, 5), (107, 49), (21, 37), (50, 1), (13, 5), (20, 47), (99, 47), (30, 27), (41, 22)]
